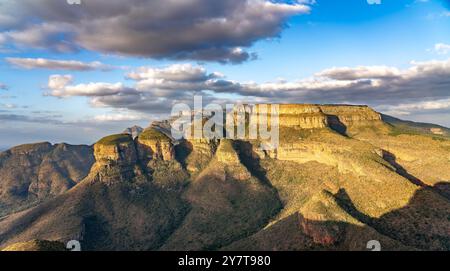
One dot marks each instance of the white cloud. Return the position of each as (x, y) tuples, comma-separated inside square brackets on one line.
[(177, 72), (8, 106), (119, 117), (442, 48), (42, 63), (59, 86), (417, 107), (156, 89)]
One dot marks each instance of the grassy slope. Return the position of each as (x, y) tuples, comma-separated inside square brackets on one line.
[(383, 206)]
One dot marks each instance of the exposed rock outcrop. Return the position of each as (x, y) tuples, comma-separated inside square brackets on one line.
[(314, 116), (116, 158), (134, 131), (225, 152), (155, 145), (352, 115), (116, 149)]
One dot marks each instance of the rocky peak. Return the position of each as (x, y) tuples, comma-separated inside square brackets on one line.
[(153, 144), (116, 149), (134, 131)]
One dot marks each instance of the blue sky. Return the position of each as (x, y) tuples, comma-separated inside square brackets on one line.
[(282, 51)]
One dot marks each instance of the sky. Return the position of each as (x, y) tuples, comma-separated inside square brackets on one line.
[(75, 73)]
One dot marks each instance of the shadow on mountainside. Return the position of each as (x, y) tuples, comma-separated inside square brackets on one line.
[(251, 161), (424, 224), (182, 152), (336, 125), (392, 160), (440, 188)]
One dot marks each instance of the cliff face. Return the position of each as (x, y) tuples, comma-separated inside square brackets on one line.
[(154, 145), (120, 158), (311, 116), (116, 158), (340, 177), (36, 172), (302, 116), (352, 115), (116, 150)]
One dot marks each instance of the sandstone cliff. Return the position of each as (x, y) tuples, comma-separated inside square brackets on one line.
[(154, 145), (315, 116)]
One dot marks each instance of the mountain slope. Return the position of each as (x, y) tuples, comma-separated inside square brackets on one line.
[(36, 172), (342, 176), (99, 209)]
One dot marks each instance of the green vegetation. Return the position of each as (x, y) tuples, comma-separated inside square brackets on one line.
[(153, 134), (115, 139)]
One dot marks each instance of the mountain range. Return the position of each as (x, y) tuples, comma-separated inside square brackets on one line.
[(342, 176)]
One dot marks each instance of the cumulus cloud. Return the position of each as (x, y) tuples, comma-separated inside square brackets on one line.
[(116, 117), (177, 72), (346, 73), (197, 29), (403, 109), (376, 85), (71, 65), (59, 86), (423, 84)]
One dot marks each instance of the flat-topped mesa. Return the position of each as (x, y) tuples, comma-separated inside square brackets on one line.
[(116, 150), (352, 115), (302, 116), (315, 116), (155, 145)]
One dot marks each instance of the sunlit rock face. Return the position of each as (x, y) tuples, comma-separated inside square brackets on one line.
[(310, 116), (116, 150), (116, 159), (154, 145), (352, 115)]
